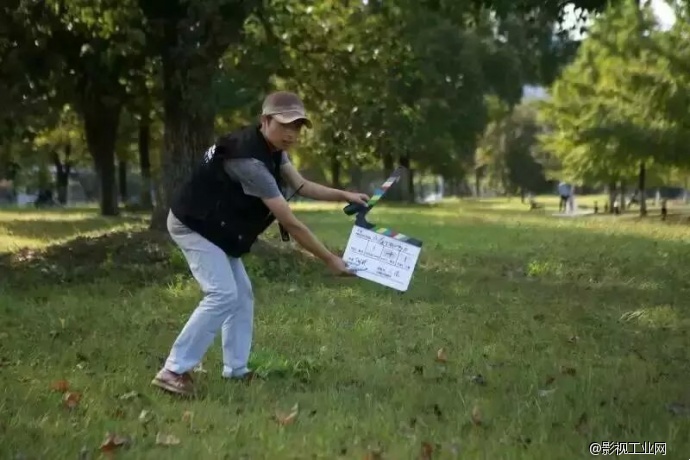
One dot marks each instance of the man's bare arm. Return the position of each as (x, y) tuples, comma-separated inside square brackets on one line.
[(281, 210), (311, 189)]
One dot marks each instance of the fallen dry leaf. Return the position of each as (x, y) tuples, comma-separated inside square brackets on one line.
[(60, 385), (568, 370), (582, 426), (427, 451), (71, 399), (437, 411), (289, 418), (478, 379), (199, 369), (113, 441), (187, 416), (166, 440), (476, 416), (130, 395), (441, 355), (145, 416)]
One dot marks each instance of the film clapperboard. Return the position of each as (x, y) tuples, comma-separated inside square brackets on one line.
[(380, 254)]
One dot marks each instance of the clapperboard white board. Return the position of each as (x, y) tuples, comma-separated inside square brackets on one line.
[(382, 255)]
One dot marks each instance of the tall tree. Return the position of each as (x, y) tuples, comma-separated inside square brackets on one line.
[(82, 52), (604, 114), (508, 152), (190, 38)]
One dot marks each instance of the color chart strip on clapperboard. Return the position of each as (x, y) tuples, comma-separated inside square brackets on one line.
[(378, 193), (395, 235)]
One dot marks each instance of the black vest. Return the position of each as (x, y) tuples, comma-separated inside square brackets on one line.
[(215, 206)]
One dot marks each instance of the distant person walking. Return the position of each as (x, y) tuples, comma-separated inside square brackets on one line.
[(565, 190), (232, 196)]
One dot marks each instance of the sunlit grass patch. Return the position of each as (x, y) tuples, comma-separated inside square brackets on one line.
[(522, 336)]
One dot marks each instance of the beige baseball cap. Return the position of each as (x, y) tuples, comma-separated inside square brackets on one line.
[(285, 107)]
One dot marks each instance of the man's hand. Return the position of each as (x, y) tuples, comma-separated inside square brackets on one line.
[(355, 197), (339, 268), (282, 212)]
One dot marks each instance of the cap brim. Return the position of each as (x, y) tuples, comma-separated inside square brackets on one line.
[(289, 117)]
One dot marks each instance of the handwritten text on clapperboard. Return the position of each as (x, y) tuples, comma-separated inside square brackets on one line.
[(381, 258)]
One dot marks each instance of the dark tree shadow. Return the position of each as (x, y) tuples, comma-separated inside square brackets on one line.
[(60, 229), (136, 258)]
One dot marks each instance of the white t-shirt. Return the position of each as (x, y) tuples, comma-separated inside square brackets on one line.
[(564, 189)]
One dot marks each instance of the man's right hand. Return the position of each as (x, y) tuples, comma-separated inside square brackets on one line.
[(281, 210), (338, 267)]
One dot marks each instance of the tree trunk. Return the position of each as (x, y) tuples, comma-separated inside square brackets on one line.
[(477, 182), (62, 170), (122, 180), (393, 194), (189, 119), (612, 196), (388, 164), (642, 177), (43, 179), (356, 178), (407, 179), (450, 183), (145, 160), (101, 122), (335, 171)]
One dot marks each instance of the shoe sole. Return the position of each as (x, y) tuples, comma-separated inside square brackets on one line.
[(170, 388)]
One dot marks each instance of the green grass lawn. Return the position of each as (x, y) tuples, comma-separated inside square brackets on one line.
[(558, 333)]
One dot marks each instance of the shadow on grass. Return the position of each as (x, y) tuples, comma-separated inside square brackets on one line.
[(131, 255), (513, 281), (135, 258), (533, 265), (57, 229)]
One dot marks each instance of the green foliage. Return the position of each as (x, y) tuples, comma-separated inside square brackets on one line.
[(86, 53), (619, 103), (385, 81), (508, 154), (65, 131)]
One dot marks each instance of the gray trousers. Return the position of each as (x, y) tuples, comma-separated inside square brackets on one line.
[(228, 305)]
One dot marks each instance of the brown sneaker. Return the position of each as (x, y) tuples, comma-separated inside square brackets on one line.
[(181, 384)]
